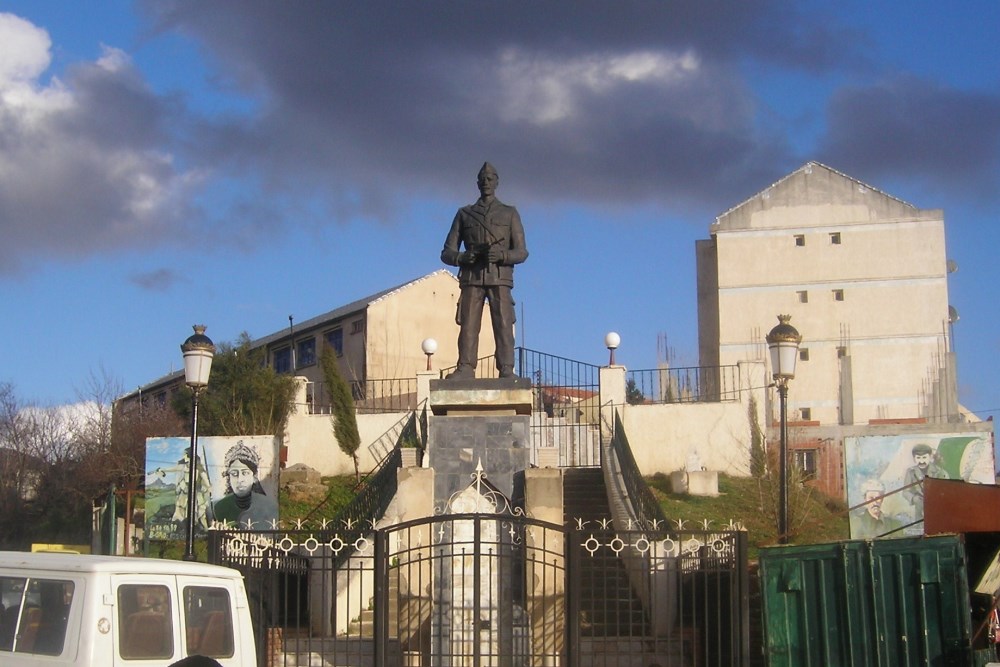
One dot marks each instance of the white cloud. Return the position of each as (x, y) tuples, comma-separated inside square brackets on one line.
[(24, 50), (24, 57), (540, 90), (87, 164)]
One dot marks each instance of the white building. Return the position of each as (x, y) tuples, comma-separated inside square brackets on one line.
[(864, 277)]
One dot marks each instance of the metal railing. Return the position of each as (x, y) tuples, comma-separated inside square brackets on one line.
[(644, 504), (370, 396), (683, 385), (544, 370), (540, 593)]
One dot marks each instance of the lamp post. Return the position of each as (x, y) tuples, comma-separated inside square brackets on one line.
[(612, 341), (429, 346), (783, 342), (198, 351)]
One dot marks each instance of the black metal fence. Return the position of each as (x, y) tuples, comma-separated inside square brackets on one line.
[(482, 589), (644, 504), (370, 396), (683, 385)]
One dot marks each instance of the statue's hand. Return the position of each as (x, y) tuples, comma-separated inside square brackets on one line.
[(467, 258), (495, 255)]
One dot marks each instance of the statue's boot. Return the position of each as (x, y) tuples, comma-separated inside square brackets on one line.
[(462, 373)]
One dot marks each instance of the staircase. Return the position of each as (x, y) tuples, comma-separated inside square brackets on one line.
[(608, 607)]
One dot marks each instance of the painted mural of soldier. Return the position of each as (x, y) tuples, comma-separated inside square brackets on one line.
[(203, 498), (924, 465)]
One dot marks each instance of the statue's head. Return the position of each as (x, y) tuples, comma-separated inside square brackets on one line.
[(487, 179)]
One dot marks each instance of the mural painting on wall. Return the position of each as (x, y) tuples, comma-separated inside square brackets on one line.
[(879, 465), (236, 483)]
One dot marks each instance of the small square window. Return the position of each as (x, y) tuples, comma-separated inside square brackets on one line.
[(838, 295), (357, 326), (835, 238), (803, 296), (305, 352), (335, 339), (806, 414), (805, 461), (800, 240), (804, 354), (283, 360)]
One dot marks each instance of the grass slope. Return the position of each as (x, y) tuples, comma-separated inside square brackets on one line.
[(814, 518)]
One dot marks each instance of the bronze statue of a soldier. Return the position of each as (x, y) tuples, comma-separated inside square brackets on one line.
[(486, 240)]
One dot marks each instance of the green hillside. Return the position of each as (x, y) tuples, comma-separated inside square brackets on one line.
[(814, 518)]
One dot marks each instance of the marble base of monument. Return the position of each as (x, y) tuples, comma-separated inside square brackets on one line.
[(478, 422)]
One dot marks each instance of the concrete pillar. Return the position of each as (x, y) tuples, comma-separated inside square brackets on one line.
[(424, 384), (546, 599), (612, 393)]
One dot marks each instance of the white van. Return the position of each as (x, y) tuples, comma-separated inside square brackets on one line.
[(68, 609)]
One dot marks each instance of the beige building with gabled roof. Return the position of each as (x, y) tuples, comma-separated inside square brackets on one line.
[(377, 339), (864, 277)]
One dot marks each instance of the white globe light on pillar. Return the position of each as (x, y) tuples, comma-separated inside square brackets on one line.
[(429, 346), (611, 341)]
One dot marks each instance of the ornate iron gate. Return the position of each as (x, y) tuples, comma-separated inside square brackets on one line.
[(479, 589)]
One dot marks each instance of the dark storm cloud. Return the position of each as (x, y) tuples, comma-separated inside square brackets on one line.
[(82, 166), (158, 280), (939, 135), (583, 100), (349, 109)]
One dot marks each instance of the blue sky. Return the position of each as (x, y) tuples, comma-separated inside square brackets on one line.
[(230, 163)]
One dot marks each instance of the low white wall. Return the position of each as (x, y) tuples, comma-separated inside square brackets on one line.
[(663, 437), (310, 439)]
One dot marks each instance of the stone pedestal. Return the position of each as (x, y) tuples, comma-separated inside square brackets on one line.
[(478, 422), (478, 445), (695, 483)]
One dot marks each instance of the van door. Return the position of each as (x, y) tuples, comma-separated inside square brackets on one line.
[(145, 625), (208, 619)]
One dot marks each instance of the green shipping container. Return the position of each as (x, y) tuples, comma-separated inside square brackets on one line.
[(881, 603)]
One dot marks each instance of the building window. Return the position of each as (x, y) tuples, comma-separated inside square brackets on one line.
[(841, 352), (803, 296), (835, 238), (357, 326), (335, 339), (283, 360), (805, 414), (803, 354), (305, 352), (800, 240), (805, 461), (838, 295)]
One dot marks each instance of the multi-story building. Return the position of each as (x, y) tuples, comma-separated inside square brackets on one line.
[(863, 276)]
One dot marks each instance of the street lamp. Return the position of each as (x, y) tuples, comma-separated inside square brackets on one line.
[(429, 346), (612, 341), (198, 351), (783, 342)]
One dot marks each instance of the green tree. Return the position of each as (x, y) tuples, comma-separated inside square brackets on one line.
[(344, 417), (633, 395), (758, 455), (244, 396)]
